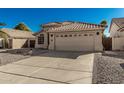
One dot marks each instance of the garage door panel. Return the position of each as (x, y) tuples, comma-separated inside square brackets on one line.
[(82, 43)]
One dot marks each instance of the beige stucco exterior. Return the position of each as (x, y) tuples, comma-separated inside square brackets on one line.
[(1, 42), (118, 43), (70, 36), (98, 41), (17, 38), (80, 42), (113, 30), (19, 43), (117, 36), (45, 45)]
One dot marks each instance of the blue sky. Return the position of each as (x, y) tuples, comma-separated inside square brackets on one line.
[(33, 17)]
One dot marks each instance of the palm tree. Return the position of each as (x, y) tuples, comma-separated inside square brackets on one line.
[(104, 38), (104, 23), (2, 24)]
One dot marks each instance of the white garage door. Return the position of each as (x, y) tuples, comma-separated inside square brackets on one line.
[(77, 42)]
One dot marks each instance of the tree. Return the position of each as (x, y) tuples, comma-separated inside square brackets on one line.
[(22, 26), (2, 24), (104, 23)]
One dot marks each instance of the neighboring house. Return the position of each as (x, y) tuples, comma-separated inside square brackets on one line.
[(117, 33), (70, 36), (11, 38)]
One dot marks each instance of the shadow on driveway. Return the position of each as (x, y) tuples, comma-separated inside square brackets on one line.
[(62, 54), (46, 53)]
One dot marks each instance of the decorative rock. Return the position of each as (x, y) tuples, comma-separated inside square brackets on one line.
[(109, 70), (6, 58)]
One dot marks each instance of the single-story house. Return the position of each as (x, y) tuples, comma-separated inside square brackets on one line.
[(11, 38), (70, 36), (117, 33)]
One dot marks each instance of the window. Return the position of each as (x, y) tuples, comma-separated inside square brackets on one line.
[(61, 35), (79, 34), (41, 39), (70, 35), (57, 35), (66, 35), (85, 35), (75, 35)]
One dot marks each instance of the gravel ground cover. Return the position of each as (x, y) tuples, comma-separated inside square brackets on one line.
[(9, 58), (13, 55), (108, 68)]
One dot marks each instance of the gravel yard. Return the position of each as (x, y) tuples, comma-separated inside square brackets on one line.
[(13, 55), (109, 68), (9, 58)]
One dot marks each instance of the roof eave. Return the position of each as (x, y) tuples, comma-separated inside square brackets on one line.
[(113, 21), (102, 29)]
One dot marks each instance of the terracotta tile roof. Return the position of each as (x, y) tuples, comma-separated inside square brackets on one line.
[(77, 26), (57, 23), (17, 33)]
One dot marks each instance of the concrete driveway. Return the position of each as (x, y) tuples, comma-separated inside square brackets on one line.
[(50, 68)]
